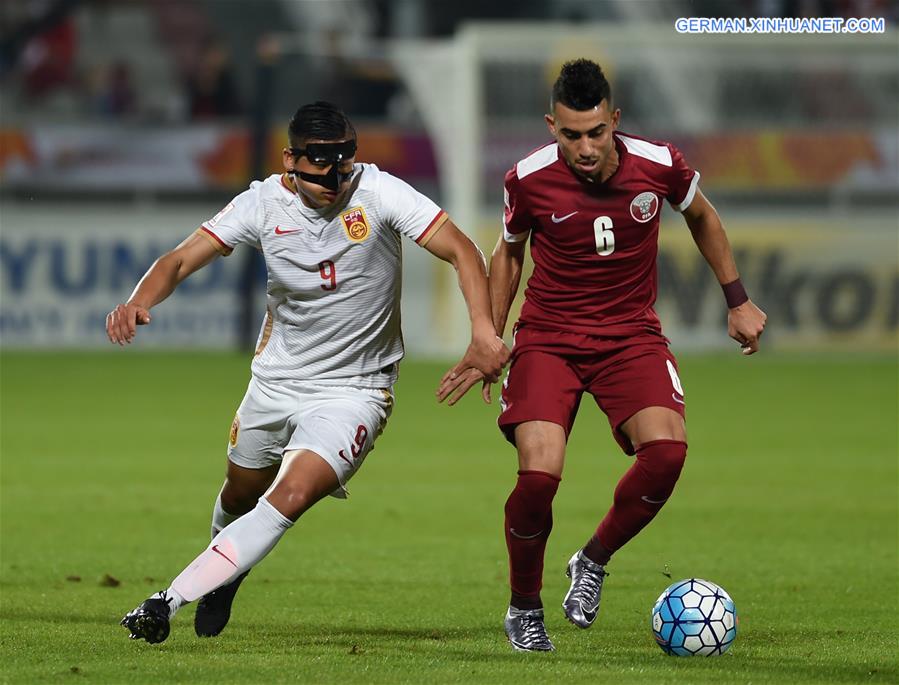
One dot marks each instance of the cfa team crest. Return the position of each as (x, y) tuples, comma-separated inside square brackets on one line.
[(235, 429), (644, 207), (355, 224)]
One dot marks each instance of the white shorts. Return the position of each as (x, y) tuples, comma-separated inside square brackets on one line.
[(339, 423)]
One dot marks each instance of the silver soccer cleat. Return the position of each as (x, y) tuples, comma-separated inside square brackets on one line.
[(582, 601), (526, 631)]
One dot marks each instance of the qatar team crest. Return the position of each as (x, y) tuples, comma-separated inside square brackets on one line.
[(355, 224), (235, 429), (644, 207)]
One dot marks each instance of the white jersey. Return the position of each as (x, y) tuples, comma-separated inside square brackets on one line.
[(334, 275)]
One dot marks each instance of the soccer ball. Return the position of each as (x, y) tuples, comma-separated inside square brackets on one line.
[(694, 617)]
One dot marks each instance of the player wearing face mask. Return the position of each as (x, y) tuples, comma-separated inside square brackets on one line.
[(321, 392)]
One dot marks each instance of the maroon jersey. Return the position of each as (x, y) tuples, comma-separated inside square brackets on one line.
[(594, 245)]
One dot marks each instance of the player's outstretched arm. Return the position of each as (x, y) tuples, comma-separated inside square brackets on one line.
[(745, 321), (503, 279), (157, 284), (486, 353)]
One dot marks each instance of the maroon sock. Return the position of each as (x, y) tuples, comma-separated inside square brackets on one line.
[(529, 521), (640, 494)]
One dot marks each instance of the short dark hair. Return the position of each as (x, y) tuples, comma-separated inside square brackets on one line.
[(581, 85), (319, 121)]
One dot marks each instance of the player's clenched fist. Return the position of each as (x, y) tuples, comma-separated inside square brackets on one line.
[(745, 324), (122, 322)]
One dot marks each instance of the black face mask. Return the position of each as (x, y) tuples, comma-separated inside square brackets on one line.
[(326, 153)]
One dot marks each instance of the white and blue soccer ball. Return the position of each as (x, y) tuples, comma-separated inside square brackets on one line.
[(694, 617)]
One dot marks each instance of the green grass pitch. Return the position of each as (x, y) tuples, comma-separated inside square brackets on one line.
[(111, 461)]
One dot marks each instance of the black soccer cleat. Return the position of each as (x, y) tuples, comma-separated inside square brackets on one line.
[(214, 609), (149, 621)]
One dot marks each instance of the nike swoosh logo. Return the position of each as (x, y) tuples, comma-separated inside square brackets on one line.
[(677, 399), (525, 537), (278, 230), (589, 615), (653, 501), (559, 219), (215, 548)]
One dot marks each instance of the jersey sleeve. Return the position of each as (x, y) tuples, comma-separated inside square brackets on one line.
[(516, 220), (237, 223), (682, 181), (407, 211)]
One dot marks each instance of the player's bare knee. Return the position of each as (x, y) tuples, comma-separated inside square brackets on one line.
[(541, 447), (243, 487), (240, 496), (292, 499), (239, 501), (655, 423)]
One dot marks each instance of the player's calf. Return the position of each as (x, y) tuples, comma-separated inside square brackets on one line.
[(639, 496)]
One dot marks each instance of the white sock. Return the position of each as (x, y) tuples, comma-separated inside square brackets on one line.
[(172, 598), (220, 517), (239, 547)]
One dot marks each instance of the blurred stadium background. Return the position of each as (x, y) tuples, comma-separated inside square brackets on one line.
[(127, 123)]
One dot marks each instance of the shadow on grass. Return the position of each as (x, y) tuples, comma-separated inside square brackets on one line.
[(303, 633)]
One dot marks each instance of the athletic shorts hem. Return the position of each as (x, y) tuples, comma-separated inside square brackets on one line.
[(254, 464)]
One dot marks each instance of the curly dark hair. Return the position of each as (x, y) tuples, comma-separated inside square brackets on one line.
[(319, 121), (581, 85)]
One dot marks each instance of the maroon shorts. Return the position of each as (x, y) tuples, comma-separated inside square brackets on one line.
[(550, 370)]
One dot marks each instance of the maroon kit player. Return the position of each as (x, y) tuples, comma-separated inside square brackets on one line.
[(590, 202)]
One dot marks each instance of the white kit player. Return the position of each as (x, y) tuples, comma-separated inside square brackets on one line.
[(330, 230)]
